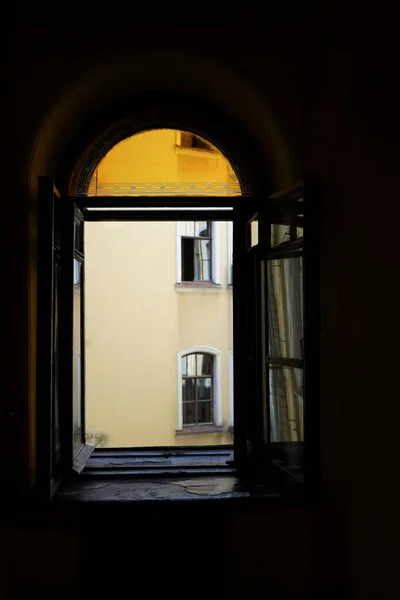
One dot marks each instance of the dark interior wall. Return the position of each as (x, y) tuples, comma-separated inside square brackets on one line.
[(329, 86)]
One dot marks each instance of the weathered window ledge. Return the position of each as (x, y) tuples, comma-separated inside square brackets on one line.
[(204, 286), (196, 429)]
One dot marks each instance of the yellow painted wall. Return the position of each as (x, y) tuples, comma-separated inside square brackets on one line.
[(153, 157), (136, 321)]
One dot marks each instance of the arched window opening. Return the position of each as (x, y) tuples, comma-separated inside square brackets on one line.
[(197, 389), (167, 162), (151, 217)]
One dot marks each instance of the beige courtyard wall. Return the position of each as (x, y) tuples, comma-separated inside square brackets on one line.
[(136, 320)]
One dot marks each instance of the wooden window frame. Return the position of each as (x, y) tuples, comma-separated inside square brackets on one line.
[(252, 449)]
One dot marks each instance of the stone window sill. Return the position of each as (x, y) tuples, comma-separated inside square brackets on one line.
[(199, 429), (204, 286)]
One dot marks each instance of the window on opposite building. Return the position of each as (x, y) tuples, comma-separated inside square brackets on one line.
[(196, 246), (197, 389)]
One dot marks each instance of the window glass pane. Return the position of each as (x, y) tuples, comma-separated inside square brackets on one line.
[(78, 234), (204, 412), (77, 371), (204, 388), (57, 221), (254, 232), (202, 260), (286, 404), (202, 229), (77, 272), (188, 413), (279, 234), (285, 307), (202, 249), (203, 270), (188, 390), (56, 384), (191, 364), (287, 418), (204, 364)]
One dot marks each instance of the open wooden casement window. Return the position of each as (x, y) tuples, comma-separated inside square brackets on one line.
[(60, 392), (280, 274), (275, 326)]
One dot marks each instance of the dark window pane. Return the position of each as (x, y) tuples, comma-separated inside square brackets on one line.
[(285, 307), (204, 388), (204, 412), (188, 390), (286, 404), (57, 222), (56, 384), (204, 364), (188, 413), (78, 236), (198, 142), (187, 259), (186, 139)]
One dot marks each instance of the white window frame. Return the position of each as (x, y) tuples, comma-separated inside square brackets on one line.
[(215, 251), (217, 387)]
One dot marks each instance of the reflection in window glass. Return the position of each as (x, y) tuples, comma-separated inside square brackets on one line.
[(286, 404), (202, 229), (77, 371), (254, 232), (279, 234), (202, 258), (285, 307)]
